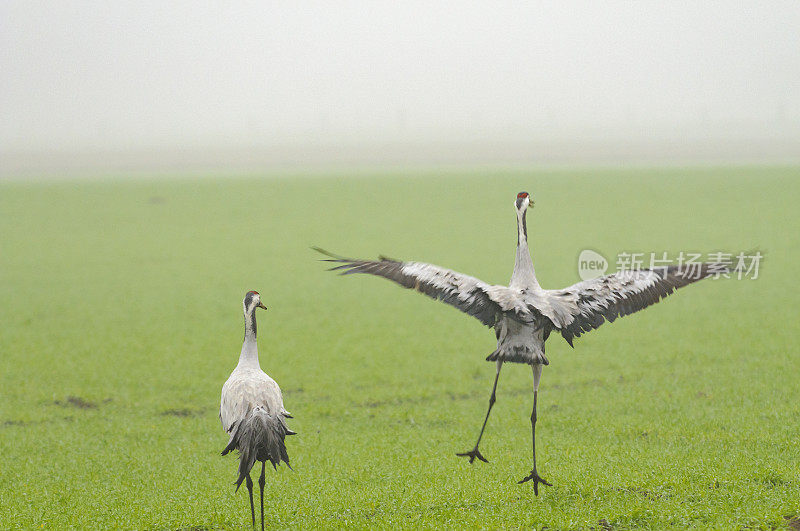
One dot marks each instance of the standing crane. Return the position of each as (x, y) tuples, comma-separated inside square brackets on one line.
[(251, 410), (523, 314)]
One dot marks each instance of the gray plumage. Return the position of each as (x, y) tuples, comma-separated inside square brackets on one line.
[(251, 410), (258, 437), (523, 314)]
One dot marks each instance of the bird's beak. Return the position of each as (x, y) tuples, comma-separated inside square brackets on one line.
[(261, 305)]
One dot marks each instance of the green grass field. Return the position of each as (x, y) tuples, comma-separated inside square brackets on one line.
[(121, 319)]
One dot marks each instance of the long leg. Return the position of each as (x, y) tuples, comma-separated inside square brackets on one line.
[(472, 454), (252, 507), (537, 373), (261, 482)]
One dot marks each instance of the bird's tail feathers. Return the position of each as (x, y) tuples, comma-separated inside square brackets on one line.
[(258, 437), (518, 354), (232, 441)]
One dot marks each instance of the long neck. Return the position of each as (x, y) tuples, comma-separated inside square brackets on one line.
[(524, 275), (249, 355)]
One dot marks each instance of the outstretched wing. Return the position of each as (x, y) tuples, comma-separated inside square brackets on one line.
[(483, 301), (586, 305)]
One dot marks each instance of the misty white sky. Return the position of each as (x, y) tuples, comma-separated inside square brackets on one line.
[(317, 77)]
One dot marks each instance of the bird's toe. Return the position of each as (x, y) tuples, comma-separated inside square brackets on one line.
[(536, 480), (473, 454)]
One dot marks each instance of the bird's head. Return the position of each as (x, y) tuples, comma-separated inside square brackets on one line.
[(252, 300), (524, 201)]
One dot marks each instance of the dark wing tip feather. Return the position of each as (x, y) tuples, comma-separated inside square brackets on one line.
[(330, 255), (568, 337), (352, 263)]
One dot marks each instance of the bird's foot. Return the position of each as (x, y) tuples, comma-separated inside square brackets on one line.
[(536, 480), (473, 454)]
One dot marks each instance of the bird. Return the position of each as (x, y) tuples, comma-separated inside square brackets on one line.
[(523, 314), (251, 410)]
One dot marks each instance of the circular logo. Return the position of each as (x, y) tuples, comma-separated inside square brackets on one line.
[(591, 264)]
